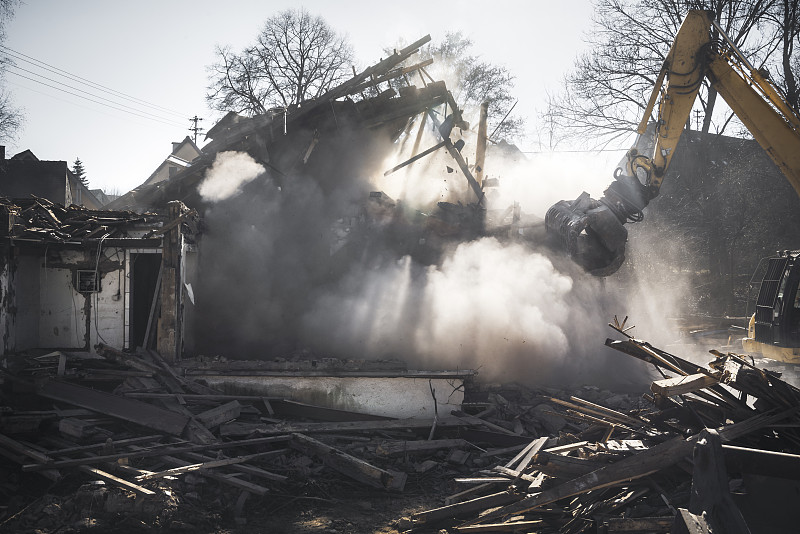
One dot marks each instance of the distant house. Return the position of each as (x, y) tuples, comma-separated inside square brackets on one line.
[(24, 175), (102, 197), (181, 157), (184, 155)]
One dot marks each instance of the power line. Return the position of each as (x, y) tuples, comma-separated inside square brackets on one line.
[(91, 100), (71, 101), (75, 77), (141, 113)]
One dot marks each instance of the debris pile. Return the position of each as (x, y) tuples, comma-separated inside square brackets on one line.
[(40, 220), (672, 467), (150, 445), (154, 441)]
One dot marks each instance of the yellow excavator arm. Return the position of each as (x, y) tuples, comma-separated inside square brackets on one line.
[(592, 230)]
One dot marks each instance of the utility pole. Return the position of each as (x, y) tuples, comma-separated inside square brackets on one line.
[(195, 129)]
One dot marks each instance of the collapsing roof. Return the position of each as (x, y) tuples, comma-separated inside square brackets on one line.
[(39, 220), (284, 140)]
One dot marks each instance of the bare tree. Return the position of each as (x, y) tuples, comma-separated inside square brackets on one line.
[(296, 57), (604, 97), (474, 81), (11, 117), (783, 18)]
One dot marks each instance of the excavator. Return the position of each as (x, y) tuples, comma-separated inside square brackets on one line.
[(592, 231)]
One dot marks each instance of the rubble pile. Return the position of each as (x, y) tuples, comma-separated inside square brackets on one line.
[(148, 448), (671, 467), (44, 221)]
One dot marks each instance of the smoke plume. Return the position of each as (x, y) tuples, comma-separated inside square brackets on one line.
[(227, 175)]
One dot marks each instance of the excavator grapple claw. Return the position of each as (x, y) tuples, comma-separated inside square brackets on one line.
[(590, 233)]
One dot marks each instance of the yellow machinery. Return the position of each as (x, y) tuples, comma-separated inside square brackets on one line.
[(592, 230)]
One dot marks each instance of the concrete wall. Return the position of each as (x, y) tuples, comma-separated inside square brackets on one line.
[(401, 397)]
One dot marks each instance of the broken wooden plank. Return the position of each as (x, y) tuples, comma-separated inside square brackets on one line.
[(607, 412), (21, 448), (417, 157), (513, 473), (130, 410), (76, 428), (106, 444), (243, 468), (165, 449), (532, 451), (461, 495), (221, 414), (348, 465), (481, 480), (230, 479), (211, 464), (681, 385), (115, 480), (467, 507)]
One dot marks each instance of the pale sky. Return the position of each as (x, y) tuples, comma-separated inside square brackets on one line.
[(158, 51)]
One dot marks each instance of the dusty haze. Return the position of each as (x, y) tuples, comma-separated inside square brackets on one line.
[(296, 265)]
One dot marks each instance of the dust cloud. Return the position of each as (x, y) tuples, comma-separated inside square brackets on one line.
[(294, 267), (227, 175)]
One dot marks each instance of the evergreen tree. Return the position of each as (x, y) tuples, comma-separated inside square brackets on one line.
[(80, 172)]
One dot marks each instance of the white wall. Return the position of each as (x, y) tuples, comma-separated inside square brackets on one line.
[(51, 313), (26, 296)]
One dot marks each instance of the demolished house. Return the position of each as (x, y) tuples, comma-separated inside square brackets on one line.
[(166, 383)]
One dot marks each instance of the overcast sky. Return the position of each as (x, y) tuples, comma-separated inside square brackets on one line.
[(157, 53)]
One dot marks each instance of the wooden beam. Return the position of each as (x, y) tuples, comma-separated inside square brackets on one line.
[(131, 410), (120, 482), (681, 385), (211, 464), (230, 479), (220, 414), (414, 158), (467, 507), (350, 466), (154, 451), (242, 468)]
